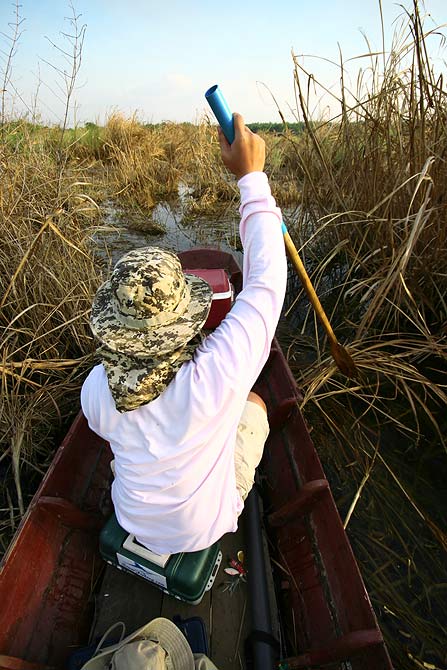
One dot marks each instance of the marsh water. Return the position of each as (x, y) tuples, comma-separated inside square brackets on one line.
[(126, 229)]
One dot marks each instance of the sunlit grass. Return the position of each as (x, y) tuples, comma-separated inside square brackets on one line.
[(372, 230), (364, 198)]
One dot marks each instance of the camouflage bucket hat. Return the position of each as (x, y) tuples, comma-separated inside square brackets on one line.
[(148, 306)]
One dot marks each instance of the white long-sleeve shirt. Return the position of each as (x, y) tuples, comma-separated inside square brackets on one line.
[(175, 486)]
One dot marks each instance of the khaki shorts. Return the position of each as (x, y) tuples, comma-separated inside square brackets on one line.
[(252, 433)]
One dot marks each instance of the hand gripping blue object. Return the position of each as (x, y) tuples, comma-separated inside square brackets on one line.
[(221, 111)]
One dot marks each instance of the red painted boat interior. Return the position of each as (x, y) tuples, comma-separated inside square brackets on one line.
[(331, 606), (53, 564)]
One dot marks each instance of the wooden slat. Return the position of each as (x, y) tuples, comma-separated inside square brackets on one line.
[(14, 663), (172, 607), (69, 514), (127, 598), (306, 498), (229, 610), (342, 649)]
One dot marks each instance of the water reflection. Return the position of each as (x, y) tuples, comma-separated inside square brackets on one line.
[(124, 230)]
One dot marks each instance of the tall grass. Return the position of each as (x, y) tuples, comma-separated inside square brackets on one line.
[(374, 185), (47, 277), (374, 197), (369, 216), (372, 222), (372, 230)]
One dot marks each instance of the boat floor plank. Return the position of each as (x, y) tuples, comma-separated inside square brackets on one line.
[(123, 597), (224, 613), (172, 607), (230, 616)]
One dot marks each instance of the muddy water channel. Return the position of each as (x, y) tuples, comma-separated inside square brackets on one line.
[(123, 229)]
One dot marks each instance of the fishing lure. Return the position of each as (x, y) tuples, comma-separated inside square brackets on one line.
[(236, 571)]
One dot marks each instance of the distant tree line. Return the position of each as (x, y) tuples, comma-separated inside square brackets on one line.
[(261, 127), (296, 128), (264, 127)]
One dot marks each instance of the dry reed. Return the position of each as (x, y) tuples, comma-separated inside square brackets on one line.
[(48, 275), (372, 231), (370, 224)]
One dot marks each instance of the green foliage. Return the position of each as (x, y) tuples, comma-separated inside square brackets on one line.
[(276, 128), (16, 134)]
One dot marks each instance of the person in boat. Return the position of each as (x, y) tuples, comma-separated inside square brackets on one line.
[(184, 426)]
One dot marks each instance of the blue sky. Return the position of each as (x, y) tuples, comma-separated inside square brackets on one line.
[(158, 58)]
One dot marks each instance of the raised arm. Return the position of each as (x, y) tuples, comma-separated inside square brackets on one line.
[(234, 354)]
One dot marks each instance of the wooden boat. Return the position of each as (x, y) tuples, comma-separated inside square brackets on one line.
[(52, 569)]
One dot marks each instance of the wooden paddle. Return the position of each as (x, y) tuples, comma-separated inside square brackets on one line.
[(341, 357)]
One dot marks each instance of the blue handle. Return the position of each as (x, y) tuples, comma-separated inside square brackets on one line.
[(221, 111)]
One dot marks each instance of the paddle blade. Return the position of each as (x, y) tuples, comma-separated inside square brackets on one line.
[(343, 360)]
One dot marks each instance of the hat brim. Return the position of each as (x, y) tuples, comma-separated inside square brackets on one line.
[(157, 340), (161, 630)]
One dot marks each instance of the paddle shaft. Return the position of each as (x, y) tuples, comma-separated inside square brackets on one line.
[(308, 287)]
